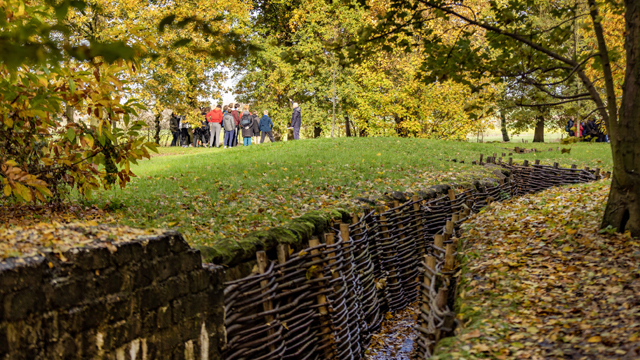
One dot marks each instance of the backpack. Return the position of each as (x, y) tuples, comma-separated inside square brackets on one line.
[(245, 120)]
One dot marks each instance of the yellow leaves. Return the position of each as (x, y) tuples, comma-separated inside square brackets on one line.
[(312, 271), (7, 190), (595, 339), (481, 347), (470, 335), (8, 121), (533, 330)]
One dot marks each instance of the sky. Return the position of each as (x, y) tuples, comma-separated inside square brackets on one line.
[(228, 97)]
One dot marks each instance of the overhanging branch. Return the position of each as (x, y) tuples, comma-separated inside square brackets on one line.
[(553, 104)]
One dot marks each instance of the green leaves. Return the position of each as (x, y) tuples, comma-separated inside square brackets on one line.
[(71, 134)]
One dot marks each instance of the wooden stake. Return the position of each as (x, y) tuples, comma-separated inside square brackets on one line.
[(330, 239), (344, 232), (267, 305), (452, 194), (449, 258), (283, 253), (510, 161), (383, 225), (441, 299), (455, 218), (430, 261), (448, 230), (438, 241), (597, 173), (325, 324)]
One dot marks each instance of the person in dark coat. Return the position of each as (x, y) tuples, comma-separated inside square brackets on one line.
[(174, 127), (296, 120), (569, 127), (592, 129), (247, 125), (265, 126), (199, 132), (256, 126)]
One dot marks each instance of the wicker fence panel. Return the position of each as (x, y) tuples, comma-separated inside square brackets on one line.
[(325, 301)]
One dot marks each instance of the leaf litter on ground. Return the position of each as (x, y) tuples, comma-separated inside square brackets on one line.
[(542, 281)]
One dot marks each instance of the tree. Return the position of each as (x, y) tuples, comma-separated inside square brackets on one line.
[(380, 95), (185, 58), (84, 54), (495, 40)]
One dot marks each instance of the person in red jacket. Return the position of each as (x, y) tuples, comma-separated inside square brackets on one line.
[(214, 117)]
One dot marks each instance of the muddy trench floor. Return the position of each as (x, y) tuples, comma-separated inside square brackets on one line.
[(396, 338)]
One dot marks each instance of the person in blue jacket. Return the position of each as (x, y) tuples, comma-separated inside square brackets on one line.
[(265, 126)]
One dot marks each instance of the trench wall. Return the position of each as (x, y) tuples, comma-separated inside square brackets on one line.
[(325, 300), (147, 299), (316, 288)]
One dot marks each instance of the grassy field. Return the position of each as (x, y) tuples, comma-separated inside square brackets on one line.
[(209, 194)]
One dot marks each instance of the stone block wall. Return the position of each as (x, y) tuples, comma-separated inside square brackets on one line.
[(147, 299)]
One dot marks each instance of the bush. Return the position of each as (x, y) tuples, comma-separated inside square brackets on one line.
[(41, 157)]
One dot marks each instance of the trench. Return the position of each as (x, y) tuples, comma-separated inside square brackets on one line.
[(380, 285)]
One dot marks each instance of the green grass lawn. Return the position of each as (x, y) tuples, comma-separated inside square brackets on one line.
[(209, 194)]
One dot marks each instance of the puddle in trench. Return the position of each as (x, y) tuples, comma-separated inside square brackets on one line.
[(396, 338)]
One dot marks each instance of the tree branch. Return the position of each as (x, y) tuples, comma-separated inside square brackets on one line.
[(575, 69), (498, 30), (552, 104)]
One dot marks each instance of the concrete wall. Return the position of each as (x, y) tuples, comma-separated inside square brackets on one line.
[(150, 299)]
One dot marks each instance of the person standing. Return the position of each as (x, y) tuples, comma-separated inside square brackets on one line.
[(229, 124), (247, 125), (235, 112), (569, 127), (296, 120), (214, 117), (265, 126), (256, 128), (174, 127), (184, 131)]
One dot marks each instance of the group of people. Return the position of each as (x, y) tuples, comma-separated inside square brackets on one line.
[(235, 120), (587, 130)]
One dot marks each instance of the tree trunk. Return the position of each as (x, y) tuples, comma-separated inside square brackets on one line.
[(317, 131), (503, 127), (156, 137), (363, 129), (69, 111), (538, 135), (347, 125), (623, 207)]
